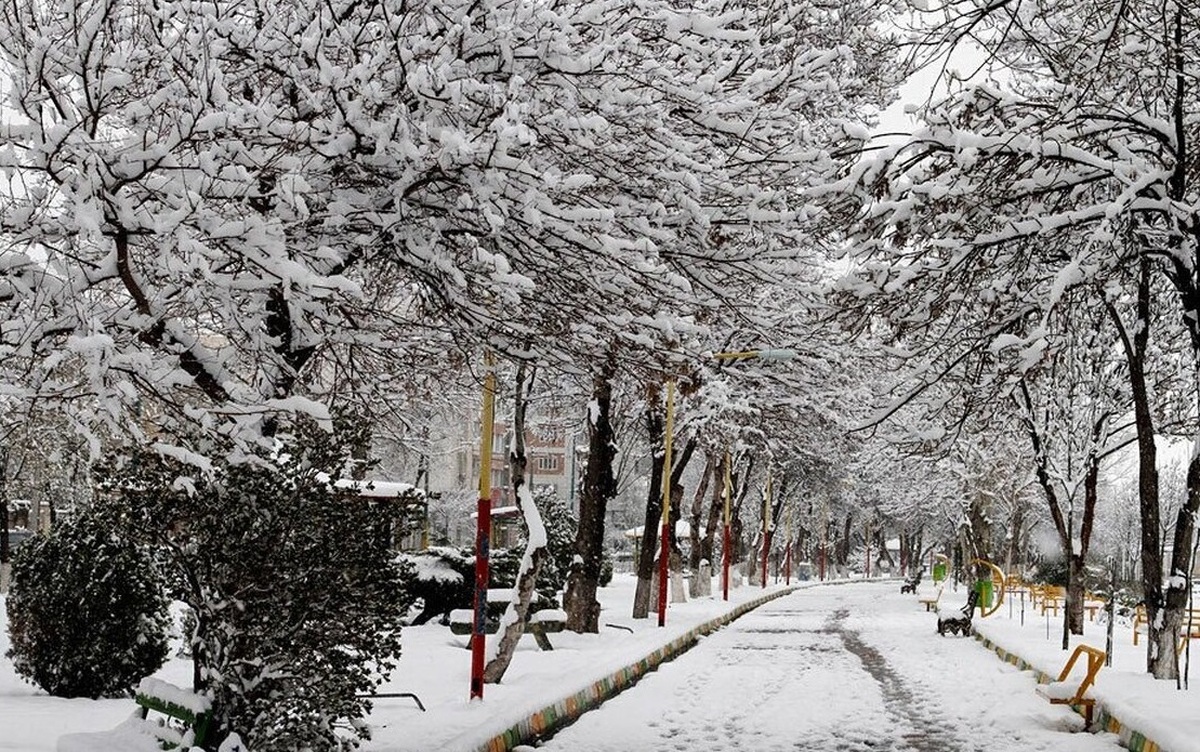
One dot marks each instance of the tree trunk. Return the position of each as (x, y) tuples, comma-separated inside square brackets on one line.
[(884, 553), (675, 512), (1015, 536), (1176, 598), (653, 517), (716, 509), (512, 624), (843, 547), (1160, 644), (701, 549), (599, 485)]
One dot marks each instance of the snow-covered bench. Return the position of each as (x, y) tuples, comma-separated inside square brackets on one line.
[(959, 621), (1064, 692), (539, 624), (544, 622), (1189, 629), (930, 602), (182, 721)]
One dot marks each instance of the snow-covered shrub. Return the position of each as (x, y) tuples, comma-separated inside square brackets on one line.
[(87, 613), (560, 526), (443, 580), (444, 577), (297, 596), (606, 570), (1051, 570)]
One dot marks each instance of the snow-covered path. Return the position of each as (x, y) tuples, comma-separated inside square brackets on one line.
[(853, 669)]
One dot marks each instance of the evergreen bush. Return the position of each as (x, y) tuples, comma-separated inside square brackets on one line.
[(87, 613), (297, 595), (443, 580)]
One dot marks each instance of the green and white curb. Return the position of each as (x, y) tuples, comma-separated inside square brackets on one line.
[(563, 712), (1104, 719)]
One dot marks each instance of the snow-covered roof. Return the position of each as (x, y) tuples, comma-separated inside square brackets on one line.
[(510, 511), (374, 488), (682, 530), (388, 488)]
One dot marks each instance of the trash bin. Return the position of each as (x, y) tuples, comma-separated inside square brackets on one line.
[(984, 588), (939, 571)]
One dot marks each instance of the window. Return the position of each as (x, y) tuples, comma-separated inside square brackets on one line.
[(547, 463)]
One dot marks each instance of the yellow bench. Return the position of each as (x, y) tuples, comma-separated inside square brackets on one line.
[(1053, 597), (1063, 692), (1189, 629)]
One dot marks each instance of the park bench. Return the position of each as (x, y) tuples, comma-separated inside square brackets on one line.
[(182, 719), (1050, 598), (1014, 584), (1064, 692), (930, 602), (910, 585), (1187, 630), (959, 621), (539, 623), (1046, 598)]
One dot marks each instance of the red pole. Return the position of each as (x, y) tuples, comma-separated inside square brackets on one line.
[(766, 549), (726, 554), (821, 561), (662, 575), (483, 530), (483, 534)]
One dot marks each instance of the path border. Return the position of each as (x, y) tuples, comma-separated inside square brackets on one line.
[(565, 711), (1130, 738)]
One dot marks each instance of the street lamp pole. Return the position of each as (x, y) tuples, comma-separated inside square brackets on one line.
[(727, 536), (665, 544), (483, 530)]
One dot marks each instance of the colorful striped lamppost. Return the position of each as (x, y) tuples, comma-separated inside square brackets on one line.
[(483, 530), (665, 533)]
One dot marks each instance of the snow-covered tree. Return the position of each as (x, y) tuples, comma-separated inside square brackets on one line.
[(1067, 163)]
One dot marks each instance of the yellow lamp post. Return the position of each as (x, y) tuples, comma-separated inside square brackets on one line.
[(665, 543), (665, 534), (483, 529)]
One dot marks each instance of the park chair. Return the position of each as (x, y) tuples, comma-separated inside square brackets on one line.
[(1065, 692)]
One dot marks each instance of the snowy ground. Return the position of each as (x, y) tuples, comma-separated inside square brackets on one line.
[(855, 669), (851, 667)]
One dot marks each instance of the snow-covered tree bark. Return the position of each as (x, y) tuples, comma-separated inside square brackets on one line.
[(599, 486), (516, 614)]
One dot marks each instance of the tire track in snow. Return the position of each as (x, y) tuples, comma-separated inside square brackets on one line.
[(930, 733)]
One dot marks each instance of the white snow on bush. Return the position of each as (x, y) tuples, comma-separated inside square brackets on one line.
[(174, 695)]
